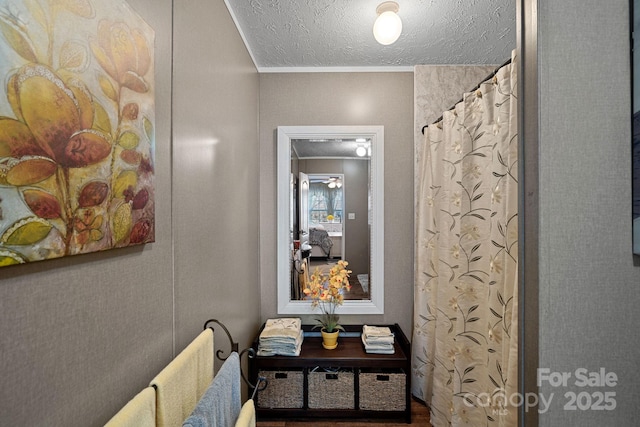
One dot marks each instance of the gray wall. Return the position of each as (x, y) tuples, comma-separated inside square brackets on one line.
[(215, 173), (82, 335), (345, 99), (589, 285)]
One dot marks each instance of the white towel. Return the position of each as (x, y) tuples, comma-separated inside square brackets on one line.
[(378, 340), (379, 348), (247, 416), (287, 328), (282, 347), (281, 336), (181, 384), (138, 412), (379, 351), (376, 331)]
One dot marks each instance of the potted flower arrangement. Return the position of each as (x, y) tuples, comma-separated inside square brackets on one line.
[(327, 292)]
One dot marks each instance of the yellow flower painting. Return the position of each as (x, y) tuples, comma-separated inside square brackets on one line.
[(76, 128)]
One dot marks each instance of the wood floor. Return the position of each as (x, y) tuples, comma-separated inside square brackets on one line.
[(419, 417)]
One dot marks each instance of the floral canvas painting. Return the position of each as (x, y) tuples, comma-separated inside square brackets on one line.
[(76, 128)]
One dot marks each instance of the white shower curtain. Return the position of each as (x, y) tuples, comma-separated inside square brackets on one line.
[(465, 316)]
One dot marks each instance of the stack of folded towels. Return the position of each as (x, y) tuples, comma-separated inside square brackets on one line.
[(377, 339), (282, 336)]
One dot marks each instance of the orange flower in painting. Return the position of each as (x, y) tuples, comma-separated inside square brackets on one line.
[(54, 120), (123, 53), (88, 227)]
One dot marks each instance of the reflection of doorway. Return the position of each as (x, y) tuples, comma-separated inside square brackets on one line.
[(325, 212), (303, 198)]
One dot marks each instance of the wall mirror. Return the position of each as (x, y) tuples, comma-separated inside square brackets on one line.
[(330, 204)]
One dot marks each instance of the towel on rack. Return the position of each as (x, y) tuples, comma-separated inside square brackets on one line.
[(247, 417), (181, 384), (221, 403), (138, 412)]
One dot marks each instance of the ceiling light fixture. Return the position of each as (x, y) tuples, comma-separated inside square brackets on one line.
[(388, 25), (361, 151), (333, 182)]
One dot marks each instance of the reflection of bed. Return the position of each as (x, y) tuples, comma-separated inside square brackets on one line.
[(336, 238), (320, 242)]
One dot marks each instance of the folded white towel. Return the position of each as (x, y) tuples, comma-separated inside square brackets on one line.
[(287, 328), (378, 348), (279, 351), (378, 340), (391, 351), (376, 331), (282, 348)]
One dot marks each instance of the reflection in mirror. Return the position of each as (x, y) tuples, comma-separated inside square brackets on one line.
[(323, 220), (330, 204)]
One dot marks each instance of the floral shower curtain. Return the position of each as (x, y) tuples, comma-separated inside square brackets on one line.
[(465, 315)]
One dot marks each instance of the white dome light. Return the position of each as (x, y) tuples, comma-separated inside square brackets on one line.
[(388, 25)]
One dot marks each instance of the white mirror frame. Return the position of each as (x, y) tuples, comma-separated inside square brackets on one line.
[(376, 269)]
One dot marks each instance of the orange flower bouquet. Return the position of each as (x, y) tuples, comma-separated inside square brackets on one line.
[(327, 292)]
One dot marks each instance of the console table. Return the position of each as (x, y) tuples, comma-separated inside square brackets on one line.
[(343, 383)]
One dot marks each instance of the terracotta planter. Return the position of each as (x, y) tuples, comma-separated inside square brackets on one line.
[(329, 339)]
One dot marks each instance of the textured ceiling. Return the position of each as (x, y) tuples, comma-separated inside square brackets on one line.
[(338, 33)]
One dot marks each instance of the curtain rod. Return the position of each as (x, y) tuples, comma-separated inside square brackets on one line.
[(489, 77)]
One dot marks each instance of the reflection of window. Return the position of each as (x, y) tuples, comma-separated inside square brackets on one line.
[(324, 201)]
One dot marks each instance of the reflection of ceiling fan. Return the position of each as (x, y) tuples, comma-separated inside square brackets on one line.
[(333, 182)]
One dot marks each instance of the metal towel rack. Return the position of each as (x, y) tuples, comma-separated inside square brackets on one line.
[(250, 352)]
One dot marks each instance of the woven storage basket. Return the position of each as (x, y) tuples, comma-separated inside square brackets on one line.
[(284, 389), (382, 391), (331, 390)]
